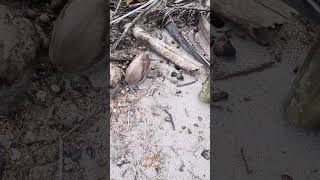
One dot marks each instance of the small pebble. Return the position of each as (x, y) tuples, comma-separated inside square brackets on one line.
[(41, 95), (206, 154), (223, 47), (180, 77), (200, 118), (43, 18), (189, 131), (55, 88), (196, 125), (174, 74), (15, 154), (183, 127), (30, 14), (178, 92), (177, 67), (247, 99), (219, 95)]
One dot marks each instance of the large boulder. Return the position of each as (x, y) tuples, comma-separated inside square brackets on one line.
[(78, 37)]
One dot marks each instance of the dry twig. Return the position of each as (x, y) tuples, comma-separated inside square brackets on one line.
[(125, 32)]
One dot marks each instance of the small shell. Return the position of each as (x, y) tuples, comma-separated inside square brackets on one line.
[(137, 69)]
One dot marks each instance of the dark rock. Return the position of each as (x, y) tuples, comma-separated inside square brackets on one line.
[(206, 154), (44, 18), (219, 95), (29, 13), (180, 77), (78, 37), (174, 74), (223, 47), (57, 4)]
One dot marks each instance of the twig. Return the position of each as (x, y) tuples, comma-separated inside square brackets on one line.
[(125, 32), (169, 119), (249, 171), (179, 58), (60, 158), (186, 84), (314, 5), (240, 72), (117, 8), (271, 9), (79, 125), (193, 8), (132, 12)]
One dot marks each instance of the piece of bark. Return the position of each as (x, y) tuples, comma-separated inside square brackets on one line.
[(177, 57), (257, 17)]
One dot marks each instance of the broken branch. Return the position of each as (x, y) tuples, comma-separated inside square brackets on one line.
[(179, 58)]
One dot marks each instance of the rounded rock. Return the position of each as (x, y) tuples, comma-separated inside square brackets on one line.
[(44, 18), (78, 37)]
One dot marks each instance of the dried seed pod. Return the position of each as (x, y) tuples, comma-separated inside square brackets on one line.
[(78, 37), (137, 69)]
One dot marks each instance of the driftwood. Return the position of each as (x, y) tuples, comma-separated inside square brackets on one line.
[(177, 57), (255, 16), (240, 72)]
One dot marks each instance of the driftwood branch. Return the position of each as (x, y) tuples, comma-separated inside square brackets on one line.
[(241, 72), (177, 57)]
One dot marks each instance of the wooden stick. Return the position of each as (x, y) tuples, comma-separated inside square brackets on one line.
[(177, 57)]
